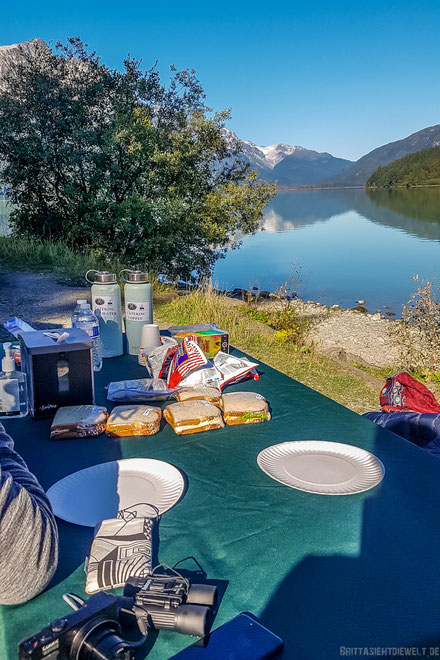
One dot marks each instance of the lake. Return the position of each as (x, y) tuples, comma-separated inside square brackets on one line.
[(349, 244)]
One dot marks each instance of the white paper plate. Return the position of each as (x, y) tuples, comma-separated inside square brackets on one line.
[(100, 491), (325, 468)]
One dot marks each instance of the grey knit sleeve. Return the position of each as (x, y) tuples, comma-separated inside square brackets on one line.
[(28, 532)]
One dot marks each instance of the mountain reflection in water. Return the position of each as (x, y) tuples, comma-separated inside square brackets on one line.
[(350, 244)]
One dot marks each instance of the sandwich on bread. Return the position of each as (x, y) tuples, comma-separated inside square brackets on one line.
[(201, 393), (193, 417), (78, 422), (134, 420), (245, 408)]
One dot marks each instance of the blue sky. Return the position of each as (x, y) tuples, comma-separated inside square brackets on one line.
[(342, 77)]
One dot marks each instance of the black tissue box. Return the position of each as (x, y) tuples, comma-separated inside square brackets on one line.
[(58, 374)]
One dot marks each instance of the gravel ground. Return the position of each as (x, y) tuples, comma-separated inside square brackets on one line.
[(363, 338), (44, 301)]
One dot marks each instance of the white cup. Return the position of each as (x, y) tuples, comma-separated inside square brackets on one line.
[(150, 336)]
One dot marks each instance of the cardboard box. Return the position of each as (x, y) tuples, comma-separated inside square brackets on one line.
[(211, 341)]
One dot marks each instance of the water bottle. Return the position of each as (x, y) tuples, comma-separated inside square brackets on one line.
[(85, 319), (106, 305), (76, 312), (138, 296)]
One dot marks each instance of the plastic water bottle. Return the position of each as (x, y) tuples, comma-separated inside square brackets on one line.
[(77, 311), (84, 318)]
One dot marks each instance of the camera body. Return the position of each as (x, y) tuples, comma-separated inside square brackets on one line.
[(95, 624), (170, 602)]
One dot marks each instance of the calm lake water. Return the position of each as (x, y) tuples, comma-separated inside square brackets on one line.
[(349, 244)]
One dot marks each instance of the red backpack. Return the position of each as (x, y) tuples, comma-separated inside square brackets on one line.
[(401, 392)]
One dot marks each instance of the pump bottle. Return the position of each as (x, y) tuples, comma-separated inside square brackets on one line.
[(13, 390)]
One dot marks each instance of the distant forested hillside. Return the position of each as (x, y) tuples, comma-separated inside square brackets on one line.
[(420, 168)]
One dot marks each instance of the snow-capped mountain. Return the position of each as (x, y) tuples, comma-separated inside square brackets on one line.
[(290, 165), (264, 158), (276, 152)]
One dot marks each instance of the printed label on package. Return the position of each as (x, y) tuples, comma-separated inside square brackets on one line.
[(106, 307), (137, 311), (9, 396)]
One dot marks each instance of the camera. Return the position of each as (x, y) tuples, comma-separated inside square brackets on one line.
[(92, 632), (165, 602), (96, 630)]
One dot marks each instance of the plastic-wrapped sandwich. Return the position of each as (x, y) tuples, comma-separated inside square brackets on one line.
[(127, 420), (245, 408), (78, 422), (200, 392), (193, 417)]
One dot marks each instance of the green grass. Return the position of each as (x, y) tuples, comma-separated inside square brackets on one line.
[(26, 253), (266, 345)]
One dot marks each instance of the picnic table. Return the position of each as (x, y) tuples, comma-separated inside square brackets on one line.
[(324, 573)]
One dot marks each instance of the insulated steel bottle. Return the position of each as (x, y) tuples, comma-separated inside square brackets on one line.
[(138, 296), (106, 305)]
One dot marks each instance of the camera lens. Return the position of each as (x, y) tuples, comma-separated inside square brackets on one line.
[(100, 640), (105, 646)]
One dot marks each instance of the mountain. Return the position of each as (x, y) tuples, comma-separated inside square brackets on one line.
[(419, 169), (290, 165), (358, 173), (10, 55), (307, 167)]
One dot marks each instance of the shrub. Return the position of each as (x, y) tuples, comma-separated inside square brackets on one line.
[(418, 332)]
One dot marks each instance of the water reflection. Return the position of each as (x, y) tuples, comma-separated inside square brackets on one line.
[(293, 210), (415, 211)]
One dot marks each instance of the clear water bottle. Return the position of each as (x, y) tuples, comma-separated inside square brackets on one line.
[(84, 318), (76, 312)]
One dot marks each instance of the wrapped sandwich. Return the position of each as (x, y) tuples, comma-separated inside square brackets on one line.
[(134, 420), (193, 417), (245, 408), (200, 392), (78, 422)]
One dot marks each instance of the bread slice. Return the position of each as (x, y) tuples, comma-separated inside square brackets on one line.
[(193, 417), (125, 421), (245, 408), (78, 422), (201, 393)]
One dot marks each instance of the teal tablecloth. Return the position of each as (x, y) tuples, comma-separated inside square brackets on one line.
[(322, 572)]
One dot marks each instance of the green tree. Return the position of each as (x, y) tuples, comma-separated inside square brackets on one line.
[(420, 168), (121, 163)]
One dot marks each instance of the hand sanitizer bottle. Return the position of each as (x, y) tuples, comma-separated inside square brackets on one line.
[(13, 391)]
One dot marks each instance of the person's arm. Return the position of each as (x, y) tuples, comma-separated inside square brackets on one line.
[(28, 532)]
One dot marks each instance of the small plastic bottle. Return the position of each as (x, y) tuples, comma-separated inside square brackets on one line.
[(76, 312), (13, 390), (84, 318)]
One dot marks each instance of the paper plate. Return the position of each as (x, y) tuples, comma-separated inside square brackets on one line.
[(100, 491), (325, 468)]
